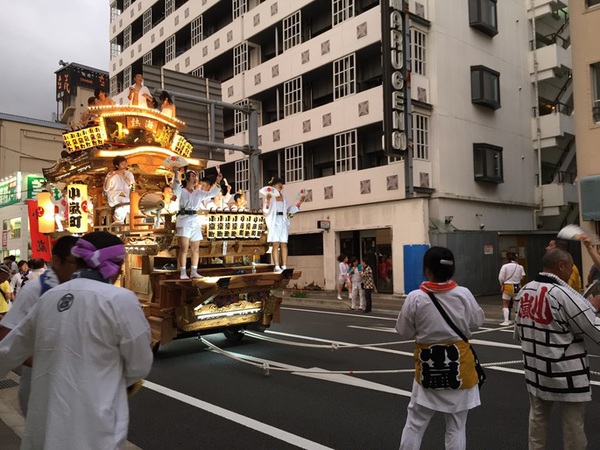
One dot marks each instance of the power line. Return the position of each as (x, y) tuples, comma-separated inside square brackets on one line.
[(27, 154)]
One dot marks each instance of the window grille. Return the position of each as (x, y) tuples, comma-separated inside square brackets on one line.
[(294, 163), (292, 96), (344, 76), (292, 30), (341, 10), (345, 151)]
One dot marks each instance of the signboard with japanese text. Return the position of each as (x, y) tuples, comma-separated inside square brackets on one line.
[(35, 183), (77, 202), (72, 76), (9, 192)]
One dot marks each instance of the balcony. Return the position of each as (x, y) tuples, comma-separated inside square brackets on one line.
[(553, 60), (558, 196), (547, 8), (555, 125)]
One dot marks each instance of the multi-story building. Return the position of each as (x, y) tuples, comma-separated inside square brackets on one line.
[(491, 159), (26, 146), (585, 17)]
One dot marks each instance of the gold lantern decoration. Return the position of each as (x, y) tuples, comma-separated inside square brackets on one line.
[(45, 212)]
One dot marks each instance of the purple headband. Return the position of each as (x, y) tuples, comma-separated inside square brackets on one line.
[(107, 260)]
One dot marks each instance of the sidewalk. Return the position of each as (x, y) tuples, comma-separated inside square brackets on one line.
[(382, 303)]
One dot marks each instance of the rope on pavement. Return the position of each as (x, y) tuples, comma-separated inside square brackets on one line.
[(332, 345), (267, 367)]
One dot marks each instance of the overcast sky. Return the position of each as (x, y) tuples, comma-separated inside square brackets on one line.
[(34, 36)]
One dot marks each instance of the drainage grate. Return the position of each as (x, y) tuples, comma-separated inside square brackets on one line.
[(8, 383)]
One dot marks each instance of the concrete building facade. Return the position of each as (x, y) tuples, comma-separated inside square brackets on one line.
[(585, 19), (492, 155)]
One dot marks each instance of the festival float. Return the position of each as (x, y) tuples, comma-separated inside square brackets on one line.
[(236, 292)]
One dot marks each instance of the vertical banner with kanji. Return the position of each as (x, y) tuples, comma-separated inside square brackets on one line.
[(40, 243), (78, 208)]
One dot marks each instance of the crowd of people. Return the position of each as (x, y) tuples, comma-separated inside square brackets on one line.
[(552, 317), (80, 344)]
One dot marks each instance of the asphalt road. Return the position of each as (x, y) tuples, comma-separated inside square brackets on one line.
[(273, 395)]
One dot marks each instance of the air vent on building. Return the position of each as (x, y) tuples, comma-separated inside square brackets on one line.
[(365, 186), (8, 383), (308, 195), (328, 192), (420, 10), (392, 182), (423, 179), (422, 94)]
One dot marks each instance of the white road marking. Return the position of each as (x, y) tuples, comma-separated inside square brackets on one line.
[(235, 417), (338, 313), (495, 344), (383, 329)]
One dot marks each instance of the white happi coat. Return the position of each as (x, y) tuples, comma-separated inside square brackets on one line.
[(90, 340), (278, 224), (420, 320), (117, 188), (191, 201)]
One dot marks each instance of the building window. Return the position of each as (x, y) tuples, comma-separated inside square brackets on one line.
[(115, 49), (240, 58), (127, 37), (590, 3), (482, 16), (127, 77), (291, 30), (485, 87), (169, 7), (170, 48), (114, 86), (292, 96), (344, 76), (420, 136), (305, 244), (240, 119), (341, 10), (147, 59), (126, 4), (345, 151), (114, 11), (294, 163), (242, 181), (196, 30), (418, 51), (239, 7), (198, 72), (488, 163), (595, 68), (147, 21)]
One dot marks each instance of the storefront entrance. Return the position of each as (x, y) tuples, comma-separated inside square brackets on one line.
[(375, 247)]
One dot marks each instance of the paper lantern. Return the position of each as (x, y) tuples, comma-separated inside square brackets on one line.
[(77, 200), (45, 212)]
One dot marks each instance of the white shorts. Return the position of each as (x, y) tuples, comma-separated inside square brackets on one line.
[(189, 227), (280, 230)]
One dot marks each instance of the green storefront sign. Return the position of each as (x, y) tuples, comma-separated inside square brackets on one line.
[(10, 194)]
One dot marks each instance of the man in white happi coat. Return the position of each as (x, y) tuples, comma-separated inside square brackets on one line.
[(90, 341), (278, 210), (117, 188), (63, 266), (552, 320), (191, 195)]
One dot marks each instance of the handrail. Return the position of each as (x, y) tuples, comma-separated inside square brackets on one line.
[(563, 156)]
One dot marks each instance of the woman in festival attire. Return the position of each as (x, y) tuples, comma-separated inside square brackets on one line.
[(278, 210), (445, 377), (167, 107), (191, 193), (510, 277)]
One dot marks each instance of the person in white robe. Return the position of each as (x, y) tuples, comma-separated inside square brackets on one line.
[(278, 210), (191, 196), (117, 188), (90, 341), (420, 320), (63, 266)]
